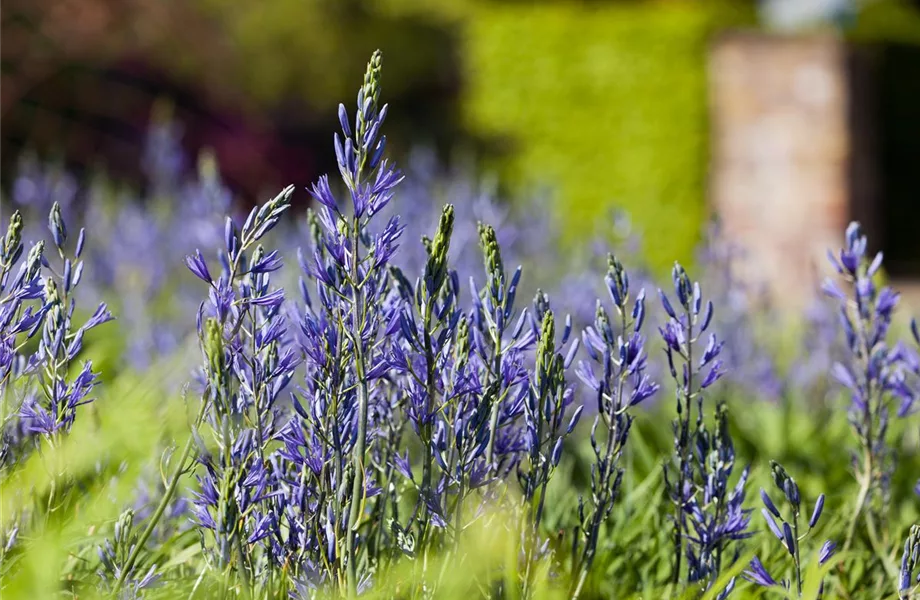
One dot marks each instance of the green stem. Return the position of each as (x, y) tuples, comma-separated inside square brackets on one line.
[(161, 508), (430, 385), (458, 515), (797, 556), (880, 551), (865, 485), (581, 582), (493, 419), (684, 452), (532, 531), (357, 489)]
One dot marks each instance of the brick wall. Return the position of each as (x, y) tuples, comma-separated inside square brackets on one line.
[(791, 154)]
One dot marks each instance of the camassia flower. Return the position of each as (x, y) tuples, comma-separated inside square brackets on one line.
[(789, 529), (874, 373), (708, 511), (40, 340), (616, 375), (342, 339), (367, 428), (51, 411), (245, 369)]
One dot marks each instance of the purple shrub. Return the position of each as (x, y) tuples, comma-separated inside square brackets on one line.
[(716, 514), (49, 396), (40, 339), (545, 425), (342, 335)]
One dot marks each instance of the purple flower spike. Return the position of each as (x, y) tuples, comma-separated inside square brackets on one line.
[(875, 368), (704, 459)]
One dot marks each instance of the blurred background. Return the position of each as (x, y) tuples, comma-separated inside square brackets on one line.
[(782, 118)]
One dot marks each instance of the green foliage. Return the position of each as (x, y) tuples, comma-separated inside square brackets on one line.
[(888, 21), (106, 455), (607, 102), (284, 49), (110, 453)]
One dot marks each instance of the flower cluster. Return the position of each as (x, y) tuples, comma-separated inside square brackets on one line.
[(790, 536), (54, 411), (716, 514), (618, 349), (708, 510), (246, 368), (875, 372), (328, 472), (40, 340), (40, 300), (386, 362)]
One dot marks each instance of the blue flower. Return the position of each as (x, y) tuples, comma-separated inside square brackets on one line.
[(758, 574)]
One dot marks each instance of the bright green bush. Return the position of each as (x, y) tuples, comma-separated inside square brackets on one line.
[(606, 103)]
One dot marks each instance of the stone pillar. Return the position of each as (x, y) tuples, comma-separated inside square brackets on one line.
[(786, 176)]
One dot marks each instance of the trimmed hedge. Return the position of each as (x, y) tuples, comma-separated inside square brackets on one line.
[(604, 103)]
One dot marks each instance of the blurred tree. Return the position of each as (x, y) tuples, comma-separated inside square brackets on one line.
[(257, 81), (40, 36)]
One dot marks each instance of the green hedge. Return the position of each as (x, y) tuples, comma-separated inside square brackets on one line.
[(606, 103), (887, 21)]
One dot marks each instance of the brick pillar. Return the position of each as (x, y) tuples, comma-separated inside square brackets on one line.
[(782, 171)]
